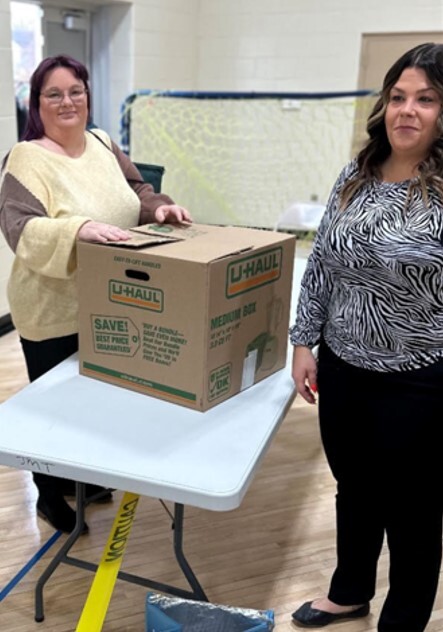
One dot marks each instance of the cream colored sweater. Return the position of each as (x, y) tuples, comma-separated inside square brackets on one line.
[(44, 200)]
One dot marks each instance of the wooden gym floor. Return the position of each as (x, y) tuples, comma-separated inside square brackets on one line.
[(275, 551)]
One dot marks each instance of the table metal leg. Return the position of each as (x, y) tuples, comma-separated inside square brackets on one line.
[(73, 537), (197, 590), (182, 561), (62, 556)]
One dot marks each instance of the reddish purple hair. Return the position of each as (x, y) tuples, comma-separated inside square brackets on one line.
[(34, 126)]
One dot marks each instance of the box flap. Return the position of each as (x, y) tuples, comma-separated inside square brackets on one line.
[(201, 243), (176, 231), (139, 240), (149, 235), (211, 243)]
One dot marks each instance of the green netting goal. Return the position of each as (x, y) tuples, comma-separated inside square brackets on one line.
[(242, 158)]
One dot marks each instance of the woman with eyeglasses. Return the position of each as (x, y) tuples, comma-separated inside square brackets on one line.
[(61, 184)]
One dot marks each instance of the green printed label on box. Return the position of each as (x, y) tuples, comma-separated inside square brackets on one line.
[(254, 271), (220, 381), (147, 385), (114, 335), (134, 295), (162, 345)]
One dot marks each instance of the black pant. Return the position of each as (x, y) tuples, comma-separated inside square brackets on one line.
[(40, 357), (382, 434)]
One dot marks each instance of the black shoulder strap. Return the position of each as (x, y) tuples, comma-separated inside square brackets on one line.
[(99, 139), (129, 180)]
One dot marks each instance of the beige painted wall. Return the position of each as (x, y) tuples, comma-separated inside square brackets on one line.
[(166, 41), (297, 45), (7, 131)]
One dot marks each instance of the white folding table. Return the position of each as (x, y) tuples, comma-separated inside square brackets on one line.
[(76, 427)]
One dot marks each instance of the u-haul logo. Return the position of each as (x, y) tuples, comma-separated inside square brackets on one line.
[(254, 271), (135, 295)]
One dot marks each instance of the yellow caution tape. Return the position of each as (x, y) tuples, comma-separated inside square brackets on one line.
[(97, 602)]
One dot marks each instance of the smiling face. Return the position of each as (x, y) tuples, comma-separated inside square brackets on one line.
[(69, 113), (412, 114)]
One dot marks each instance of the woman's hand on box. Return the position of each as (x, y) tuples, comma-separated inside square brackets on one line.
[(172, 213), (99, 232)]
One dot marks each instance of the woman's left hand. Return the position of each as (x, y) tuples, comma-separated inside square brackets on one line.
[(172, 213)]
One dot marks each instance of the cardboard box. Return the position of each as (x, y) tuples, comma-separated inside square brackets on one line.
[(192, 314)]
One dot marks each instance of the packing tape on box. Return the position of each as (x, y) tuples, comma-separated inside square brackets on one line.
[(100, 593)]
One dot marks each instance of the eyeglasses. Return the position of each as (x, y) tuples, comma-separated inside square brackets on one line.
[(55, 97)]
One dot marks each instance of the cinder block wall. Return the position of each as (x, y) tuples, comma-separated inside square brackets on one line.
[(7, 131), (166, 42), (297, 45)]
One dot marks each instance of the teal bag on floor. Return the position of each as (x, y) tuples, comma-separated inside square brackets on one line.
[(200, 616)]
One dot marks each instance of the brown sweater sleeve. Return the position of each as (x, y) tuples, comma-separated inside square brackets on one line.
[(17, 207), (150, 201)]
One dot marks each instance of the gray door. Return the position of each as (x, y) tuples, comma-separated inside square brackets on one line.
[(66, 32)]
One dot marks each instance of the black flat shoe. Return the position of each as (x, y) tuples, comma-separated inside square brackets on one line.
[(309, 617), (58, 514), (93, 493)]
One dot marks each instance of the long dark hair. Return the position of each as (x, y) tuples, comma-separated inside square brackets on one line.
[(429, 58), (34, 127)]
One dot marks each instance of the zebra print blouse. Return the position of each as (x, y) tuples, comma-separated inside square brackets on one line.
[(373, 285)]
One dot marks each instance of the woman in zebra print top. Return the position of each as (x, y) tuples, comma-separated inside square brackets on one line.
[(372, 298)]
